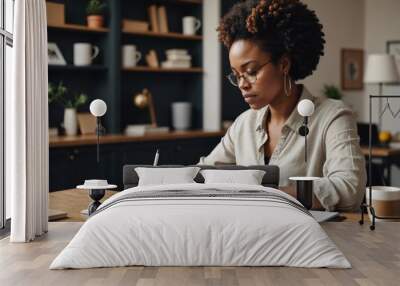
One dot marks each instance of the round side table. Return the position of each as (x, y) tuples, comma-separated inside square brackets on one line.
[(96, 193)]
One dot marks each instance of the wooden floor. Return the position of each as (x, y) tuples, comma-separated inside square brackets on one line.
[(374, 255)]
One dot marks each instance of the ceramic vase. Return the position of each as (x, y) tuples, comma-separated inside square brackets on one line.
[(70, 121)]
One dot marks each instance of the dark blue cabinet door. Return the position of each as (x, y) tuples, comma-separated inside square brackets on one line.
[(70, 166)]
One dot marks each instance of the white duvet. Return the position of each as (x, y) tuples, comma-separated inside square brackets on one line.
[(200, 231)]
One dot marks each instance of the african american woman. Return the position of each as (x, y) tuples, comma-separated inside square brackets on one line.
[(272, 45)]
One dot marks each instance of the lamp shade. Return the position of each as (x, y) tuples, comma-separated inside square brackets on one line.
[(98, 107), (381, 68)]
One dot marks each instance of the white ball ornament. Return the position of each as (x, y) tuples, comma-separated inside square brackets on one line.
[(98, 107)]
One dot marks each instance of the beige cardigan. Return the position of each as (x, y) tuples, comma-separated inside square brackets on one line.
[(334, 153)]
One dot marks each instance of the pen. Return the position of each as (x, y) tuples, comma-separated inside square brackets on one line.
[(156, 158)]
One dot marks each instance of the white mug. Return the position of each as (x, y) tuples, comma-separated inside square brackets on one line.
[(181, 115), (84, 53), (190, 25), (130, 56)]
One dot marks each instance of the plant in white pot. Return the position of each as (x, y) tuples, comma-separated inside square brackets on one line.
[(59, 93), (95, 13)]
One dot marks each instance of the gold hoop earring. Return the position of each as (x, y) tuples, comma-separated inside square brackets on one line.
[(286, 78), (285, 84)]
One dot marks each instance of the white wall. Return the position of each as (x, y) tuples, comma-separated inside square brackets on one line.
[(365, 24), (343, 22), (382, 25)]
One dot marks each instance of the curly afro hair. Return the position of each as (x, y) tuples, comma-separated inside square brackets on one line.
[(279, 27)]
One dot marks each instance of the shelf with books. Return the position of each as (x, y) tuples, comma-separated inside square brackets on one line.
[(177, 36), (77, 28), (170, 51), (164, 70)]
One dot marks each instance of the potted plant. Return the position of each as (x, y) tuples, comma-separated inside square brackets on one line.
[(331, 91), (59, 93), (95, 13)]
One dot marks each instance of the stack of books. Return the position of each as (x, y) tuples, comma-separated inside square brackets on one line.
[(177, 58), (143, 129)]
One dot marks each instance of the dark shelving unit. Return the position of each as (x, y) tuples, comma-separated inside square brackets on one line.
[(106, 79)]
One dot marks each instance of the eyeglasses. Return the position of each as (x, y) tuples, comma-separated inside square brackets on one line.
[(249, 77)]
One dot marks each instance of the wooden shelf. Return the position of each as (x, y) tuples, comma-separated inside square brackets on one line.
[(81, 28), (77, 68), (164, 70), (177, 36), (81, 140)]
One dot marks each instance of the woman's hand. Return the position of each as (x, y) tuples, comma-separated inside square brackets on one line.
[(291, 190)]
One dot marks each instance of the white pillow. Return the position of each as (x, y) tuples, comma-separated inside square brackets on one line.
[(164, 176), (249, 177)]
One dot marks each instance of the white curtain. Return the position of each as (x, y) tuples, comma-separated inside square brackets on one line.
[(27, 123)]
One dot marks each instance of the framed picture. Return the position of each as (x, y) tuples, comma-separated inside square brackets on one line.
[(352, 69), (393, 48), (54, 55)]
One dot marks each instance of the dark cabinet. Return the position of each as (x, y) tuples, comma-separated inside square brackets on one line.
[(188, 152), (70, 166)]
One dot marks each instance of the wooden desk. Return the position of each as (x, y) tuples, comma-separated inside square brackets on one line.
[(82, 140), (381, 151), (387, 155), (72, 201)]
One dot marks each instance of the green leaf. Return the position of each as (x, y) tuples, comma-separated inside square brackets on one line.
[(95, 7)]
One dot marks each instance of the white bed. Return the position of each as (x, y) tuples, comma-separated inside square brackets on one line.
[(207, 230)]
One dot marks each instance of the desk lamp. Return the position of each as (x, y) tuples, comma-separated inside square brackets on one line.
[(305, 109), (98, 108), (304, 185)]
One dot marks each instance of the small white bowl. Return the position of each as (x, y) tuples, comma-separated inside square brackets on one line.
[(386, 202)]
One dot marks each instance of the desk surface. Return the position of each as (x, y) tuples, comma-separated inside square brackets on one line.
[(72, 201), (381, 151)]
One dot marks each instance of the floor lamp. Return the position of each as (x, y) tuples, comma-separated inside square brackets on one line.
[(381, 69)]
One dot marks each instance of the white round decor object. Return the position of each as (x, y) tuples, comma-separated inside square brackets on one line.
[(305, 107), (98, 107), (304, 178), (96, 184)]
